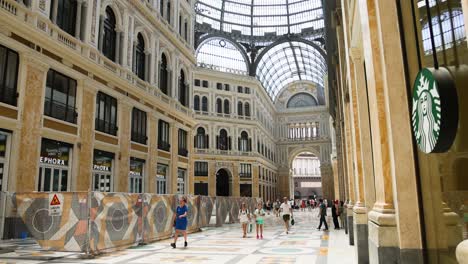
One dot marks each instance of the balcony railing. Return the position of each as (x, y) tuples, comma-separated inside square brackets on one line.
[(164, 146)]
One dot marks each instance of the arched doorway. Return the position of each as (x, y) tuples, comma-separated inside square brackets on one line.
[(306, 175), (222, 183)]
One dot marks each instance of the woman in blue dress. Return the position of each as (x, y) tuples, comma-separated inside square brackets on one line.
[(180, 221)]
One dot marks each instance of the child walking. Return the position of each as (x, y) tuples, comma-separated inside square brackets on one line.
[(259, 214)]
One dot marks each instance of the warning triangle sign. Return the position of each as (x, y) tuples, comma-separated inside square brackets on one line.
[(55, 200)]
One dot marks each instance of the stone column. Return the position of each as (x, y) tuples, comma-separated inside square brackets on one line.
[(118, 50), (101, 32), (31, 120), (147, 63), (235, 180), (191, 162), (362, 155), (153, 153), (255, 180), (84, 181), (54, 11), (174, 157), (79, 7), (124, 140), (212, 178)]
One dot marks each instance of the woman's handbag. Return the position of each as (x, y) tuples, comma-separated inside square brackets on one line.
[(250, 228), (292, 221)]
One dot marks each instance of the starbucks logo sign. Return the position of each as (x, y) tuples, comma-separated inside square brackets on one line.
[(435, 110)]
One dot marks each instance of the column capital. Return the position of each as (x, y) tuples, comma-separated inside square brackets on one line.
[(355, 54)]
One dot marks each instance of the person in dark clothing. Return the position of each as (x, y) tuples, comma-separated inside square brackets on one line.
[(322, 214), (335, 214)]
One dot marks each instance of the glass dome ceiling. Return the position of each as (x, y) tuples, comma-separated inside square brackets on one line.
[(259, 18), (277, 41)]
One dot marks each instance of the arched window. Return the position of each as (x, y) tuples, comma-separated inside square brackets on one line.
[(163, 75), (240, 109), (223, 142), (196, 103), (219, 106), (201, 139), (226, 106), (109, 39), (204, 104), (245, 144), (139, 61), (301, 100), (183, 89), (247, 109)]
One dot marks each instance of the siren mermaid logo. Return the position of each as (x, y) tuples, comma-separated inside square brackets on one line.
[(426, 113)]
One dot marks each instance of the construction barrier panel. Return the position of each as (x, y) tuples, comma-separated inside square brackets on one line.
[(96, 222), (58, 221)]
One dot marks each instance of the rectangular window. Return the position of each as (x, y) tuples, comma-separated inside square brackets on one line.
[(8, 75), (54, 166), (161, 179), (247, 90), (60, 97), (102, 171), (136, 175), (246, 190), (106, 114), (239, 89), (197, 82), (227, 87), (183, 143), (163, 136), (205, 84), (245, 170), (139, 126), (181, 181), (201, 168), (219, 86)]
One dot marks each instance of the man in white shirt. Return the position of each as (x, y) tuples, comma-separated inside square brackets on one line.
[(287, 213)]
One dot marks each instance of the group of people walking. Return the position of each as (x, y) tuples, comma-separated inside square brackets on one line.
[(245, 217), (258, 215)]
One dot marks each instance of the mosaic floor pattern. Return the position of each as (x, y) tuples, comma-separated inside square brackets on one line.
[(303, 244)]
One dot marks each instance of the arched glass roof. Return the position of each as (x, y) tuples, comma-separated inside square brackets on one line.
[(259, 18), (222, 55), (288, 62)]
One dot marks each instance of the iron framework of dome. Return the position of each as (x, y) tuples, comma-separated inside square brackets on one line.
[(263, 38)]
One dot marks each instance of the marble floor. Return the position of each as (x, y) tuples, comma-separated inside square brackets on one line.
[(303, 244)]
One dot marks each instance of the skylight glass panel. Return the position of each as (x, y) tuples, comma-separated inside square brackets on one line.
[(220, 54)]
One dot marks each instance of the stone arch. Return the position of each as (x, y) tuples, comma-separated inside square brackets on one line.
[(118, 16), (146, 37), (224, 182)]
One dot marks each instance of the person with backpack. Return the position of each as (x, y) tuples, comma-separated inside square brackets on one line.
[(244, 218), (277, 208), (322, 215)]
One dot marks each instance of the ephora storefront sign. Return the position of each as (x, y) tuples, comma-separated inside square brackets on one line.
[(54, 169), (435, 110), (102, 171)]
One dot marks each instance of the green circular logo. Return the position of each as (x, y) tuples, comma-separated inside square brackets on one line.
[(426, 113)]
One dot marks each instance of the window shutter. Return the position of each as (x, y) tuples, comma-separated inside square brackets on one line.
[(239, 143), (250, 144), (207, 141), (229, 143), (217, 142), (195, 140)]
